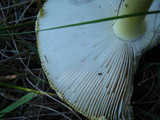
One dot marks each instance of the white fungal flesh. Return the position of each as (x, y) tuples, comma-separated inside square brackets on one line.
[(89, 66)]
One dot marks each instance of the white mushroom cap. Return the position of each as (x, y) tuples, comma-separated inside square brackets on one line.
[(89, 67)]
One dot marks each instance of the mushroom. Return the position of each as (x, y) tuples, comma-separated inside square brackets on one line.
[(91, 66)]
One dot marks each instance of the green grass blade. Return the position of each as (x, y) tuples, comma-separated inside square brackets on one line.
[(24, 89), (17, 104), (88, 22), (17, 25)]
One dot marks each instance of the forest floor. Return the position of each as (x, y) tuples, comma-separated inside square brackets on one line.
[(21, 73)]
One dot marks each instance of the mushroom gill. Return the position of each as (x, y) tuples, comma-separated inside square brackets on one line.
[(89, 66)]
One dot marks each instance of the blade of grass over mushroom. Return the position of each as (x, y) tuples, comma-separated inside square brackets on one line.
[(88, 22), (17, 104), (24, 89)]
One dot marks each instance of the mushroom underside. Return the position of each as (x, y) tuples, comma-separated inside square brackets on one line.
[(88, 66)]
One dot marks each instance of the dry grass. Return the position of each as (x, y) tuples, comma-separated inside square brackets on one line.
[(20, 69)]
